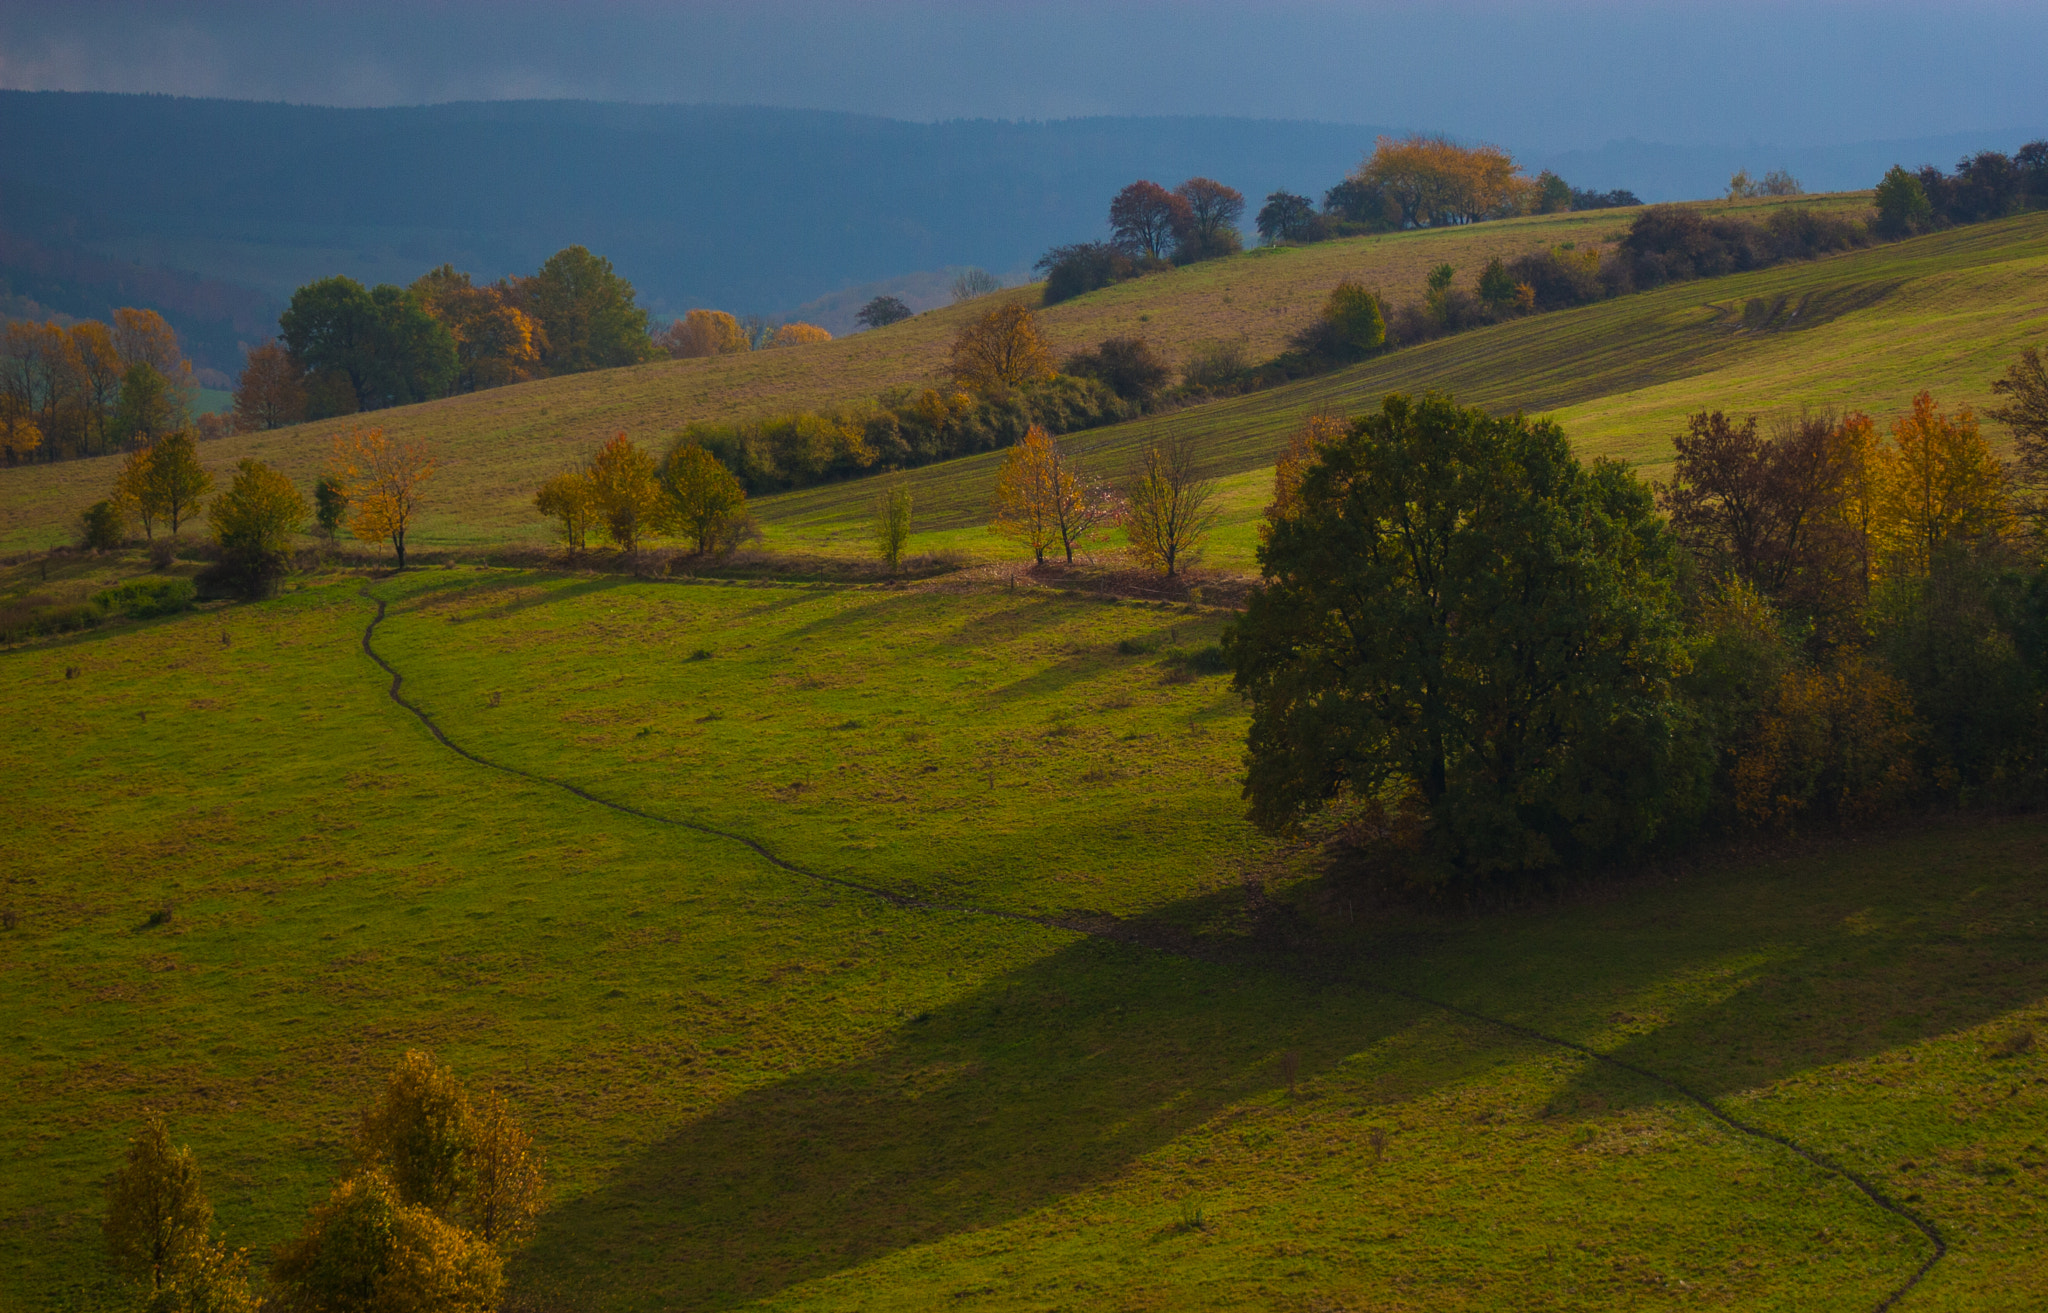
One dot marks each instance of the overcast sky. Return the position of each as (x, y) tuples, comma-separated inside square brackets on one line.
[(1541, 76)]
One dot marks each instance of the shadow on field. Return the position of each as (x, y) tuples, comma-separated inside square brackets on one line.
[(1065, 1073), (1008, 1100)]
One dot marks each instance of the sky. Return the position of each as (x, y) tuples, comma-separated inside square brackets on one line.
[(1532, 76)]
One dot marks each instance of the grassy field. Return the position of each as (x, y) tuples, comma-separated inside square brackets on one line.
[(497, 446), (1201, 1078)]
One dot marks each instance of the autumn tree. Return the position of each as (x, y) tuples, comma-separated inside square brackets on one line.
[(504, 1188), (148, 406), (1213, 211), (883, 311), (626, 494), (704, 333), (891, 524), (157, 1214), (99, 378), (798, 335), (1940, 488), (366, 1250), (254, 522), (1129, 366), (496, 342), (2023, 407), (1146, 219), (568, 499), (271, 392), (1356, 317), (704, 498), (1429, 181), (164, 481), (1168, 507), (144, 337), (1002, 349), (381, 482), (103, 526), (1044, 501), (970, 283), (20, 435)]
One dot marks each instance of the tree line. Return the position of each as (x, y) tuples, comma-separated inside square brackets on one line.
[(1412, 182), (1505, 663), (90, 388), (442, 1188), (344, 348)]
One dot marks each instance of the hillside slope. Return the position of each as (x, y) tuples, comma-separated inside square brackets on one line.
[(1861, 331), (496, 446)]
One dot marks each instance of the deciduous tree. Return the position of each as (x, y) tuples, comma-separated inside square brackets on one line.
[(705, 498), (1213, 212), (1001, 349), (1430, 181), (505, 1189), (99, 374), (892, 524), (628, 497), (148, 407), (1940, 489), (157, 1214), (1168, 507), (176, 483), (2023, 407), (271, 392), (970, 283), (586, 312), (381, 481), (254, 522), (416, 1133), (330, 506), (1452, 609), (1286, 217), (1045, 501), (883, 311), (798, 335), (705, 333), (568, 498), (1146, 219), (366, 1250)]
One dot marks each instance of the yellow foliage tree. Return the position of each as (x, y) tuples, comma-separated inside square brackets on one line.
[(503, 1188), (20, 435), (381, 481), (157, 1215), (1002, 349), (416, 1133), (1837, 742), (705, 499), (1938, 487), (569, 498), (1044, 501), (799, 335), (1169, 508), (626, 494), (1314, 433), (704, 333), (366, 1250)]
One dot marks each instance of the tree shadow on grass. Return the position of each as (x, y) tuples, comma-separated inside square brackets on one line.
[(1012, 1097)]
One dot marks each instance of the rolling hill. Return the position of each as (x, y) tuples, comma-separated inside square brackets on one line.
[(496, 446)]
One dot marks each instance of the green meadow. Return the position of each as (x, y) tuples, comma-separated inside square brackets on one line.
[(1023, 1016)]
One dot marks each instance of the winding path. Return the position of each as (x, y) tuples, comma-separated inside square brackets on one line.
[(1705, 1102)]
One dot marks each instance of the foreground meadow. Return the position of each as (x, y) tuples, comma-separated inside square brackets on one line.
[(1071, 1035)]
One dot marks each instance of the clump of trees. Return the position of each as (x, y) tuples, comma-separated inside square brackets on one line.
[(1151, 228), (716, 333), (625, 495), (1987, 185), (345, 348), (1515, 663), (91, 388)]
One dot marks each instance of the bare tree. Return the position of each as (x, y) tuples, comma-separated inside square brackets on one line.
[(970, 283), (1168, 507)]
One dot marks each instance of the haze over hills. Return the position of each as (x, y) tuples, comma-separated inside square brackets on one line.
[(226, 206)]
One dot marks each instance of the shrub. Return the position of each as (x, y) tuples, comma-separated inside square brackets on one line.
[(102, 527), (1216, 363), (1131, 367), (1083, 267), (253, 522), (140, 599), (1559, 278), (366, 1251)]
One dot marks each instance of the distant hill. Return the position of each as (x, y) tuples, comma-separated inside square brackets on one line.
[(751, 210)]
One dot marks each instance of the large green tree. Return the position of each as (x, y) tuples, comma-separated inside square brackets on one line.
[(1455, 611), (587, 314), (382, 341)]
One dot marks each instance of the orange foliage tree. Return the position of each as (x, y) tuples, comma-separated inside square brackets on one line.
[(381, 480), (271, 392), (1002, 349), (703, 333), (1043, 499), (799, 335), (1435, 181)]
